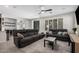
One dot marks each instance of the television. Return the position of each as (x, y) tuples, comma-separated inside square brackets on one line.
[(77, 15)]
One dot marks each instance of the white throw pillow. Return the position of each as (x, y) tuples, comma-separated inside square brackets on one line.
[(59, 33), (20, 35)]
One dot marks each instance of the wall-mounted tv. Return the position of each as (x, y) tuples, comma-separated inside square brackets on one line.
[(77, 15)]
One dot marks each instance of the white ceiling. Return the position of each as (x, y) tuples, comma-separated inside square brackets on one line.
[(31, 11)]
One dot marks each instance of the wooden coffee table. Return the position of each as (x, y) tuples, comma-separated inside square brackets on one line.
[(50, 39)]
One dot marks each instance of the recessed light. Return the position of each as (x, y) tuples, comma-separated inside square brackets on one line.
[(14, 6), (63, 8), (6, 6), (42, 12)]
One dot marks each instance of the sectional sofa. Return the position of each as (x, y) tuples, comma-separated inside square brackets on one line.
[(30, 36)]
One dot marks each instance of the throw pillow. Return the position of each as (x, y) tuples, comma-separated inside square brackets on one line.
[(65, 33), (20, 35), (59, 33)]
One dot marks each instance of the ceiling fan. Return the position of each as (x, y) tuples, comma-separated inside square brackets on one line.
[(43, 10)]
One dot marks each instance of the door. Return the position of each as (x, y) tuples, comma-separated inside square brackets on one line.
[(36, 25), (46, 24), (0, 24)]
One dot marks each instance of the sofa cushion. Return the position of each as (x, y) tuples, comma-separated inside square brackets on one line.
[(54, 32), (26, 40)]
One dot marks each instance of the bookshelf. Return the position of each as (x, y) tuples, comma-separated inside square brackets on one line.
[(8, 23)]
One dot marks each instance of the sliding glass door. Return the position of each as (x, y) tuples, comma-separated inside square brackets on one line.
[(50, 24), (46, 24), (54, 23)]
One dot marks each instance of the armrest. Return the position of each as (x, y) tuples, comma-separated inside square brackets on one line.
[(17, 41)]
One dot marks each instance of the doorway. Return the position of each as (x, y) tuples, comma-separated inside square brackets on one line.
[(36, 25), (0, 24)]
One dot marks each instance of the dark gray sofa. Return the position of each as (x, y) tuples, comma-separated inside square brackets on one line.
[(30, 36), (59, 37)]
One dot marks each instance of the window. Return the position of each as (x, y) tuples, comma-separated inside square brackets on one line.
[(50, 24), (55, 24), (60, 23)]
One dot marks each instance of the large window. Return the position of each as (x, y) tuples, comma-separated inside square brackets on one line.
[(50, 24), (60, 23), (46, 24), (54, 23)]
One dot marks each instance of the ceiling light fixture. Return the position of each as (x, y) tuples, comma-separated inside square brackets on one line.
[(42, 12)]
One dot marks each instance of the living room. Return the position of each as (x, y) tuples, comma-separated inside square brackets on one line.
[(33, 23)]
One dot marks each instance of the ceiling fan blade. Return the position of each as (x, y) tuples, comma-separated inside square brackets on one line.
[(49, 10), (42, 11)]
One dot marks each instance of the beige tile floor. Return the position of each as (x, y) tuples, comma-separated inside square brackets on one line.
[(36, 47)]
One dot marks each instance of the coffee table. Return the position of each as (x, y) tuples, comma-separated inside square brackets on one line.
[(50, 39)]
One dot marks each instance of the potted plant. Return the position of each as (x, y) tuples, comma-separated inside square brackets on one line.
[(74, 29)]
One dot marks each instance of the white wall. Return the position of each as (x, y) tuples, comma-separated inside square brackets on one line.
[(26, 23), (2, 36), (69, 21)]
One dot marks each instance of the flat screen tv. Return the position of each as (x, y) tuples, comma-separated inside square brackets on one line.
[(77, 15)]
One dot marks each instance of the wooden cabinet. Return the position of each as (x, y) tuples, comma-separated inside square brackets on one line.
[(75, 43), (0, 24), (77, 47)]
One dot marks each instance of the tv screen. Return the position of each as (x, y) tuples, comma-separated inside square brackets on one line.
[(77, 15)]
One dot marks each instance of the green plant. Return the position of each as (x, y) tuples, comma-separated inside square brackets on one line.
[(74, 29)]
